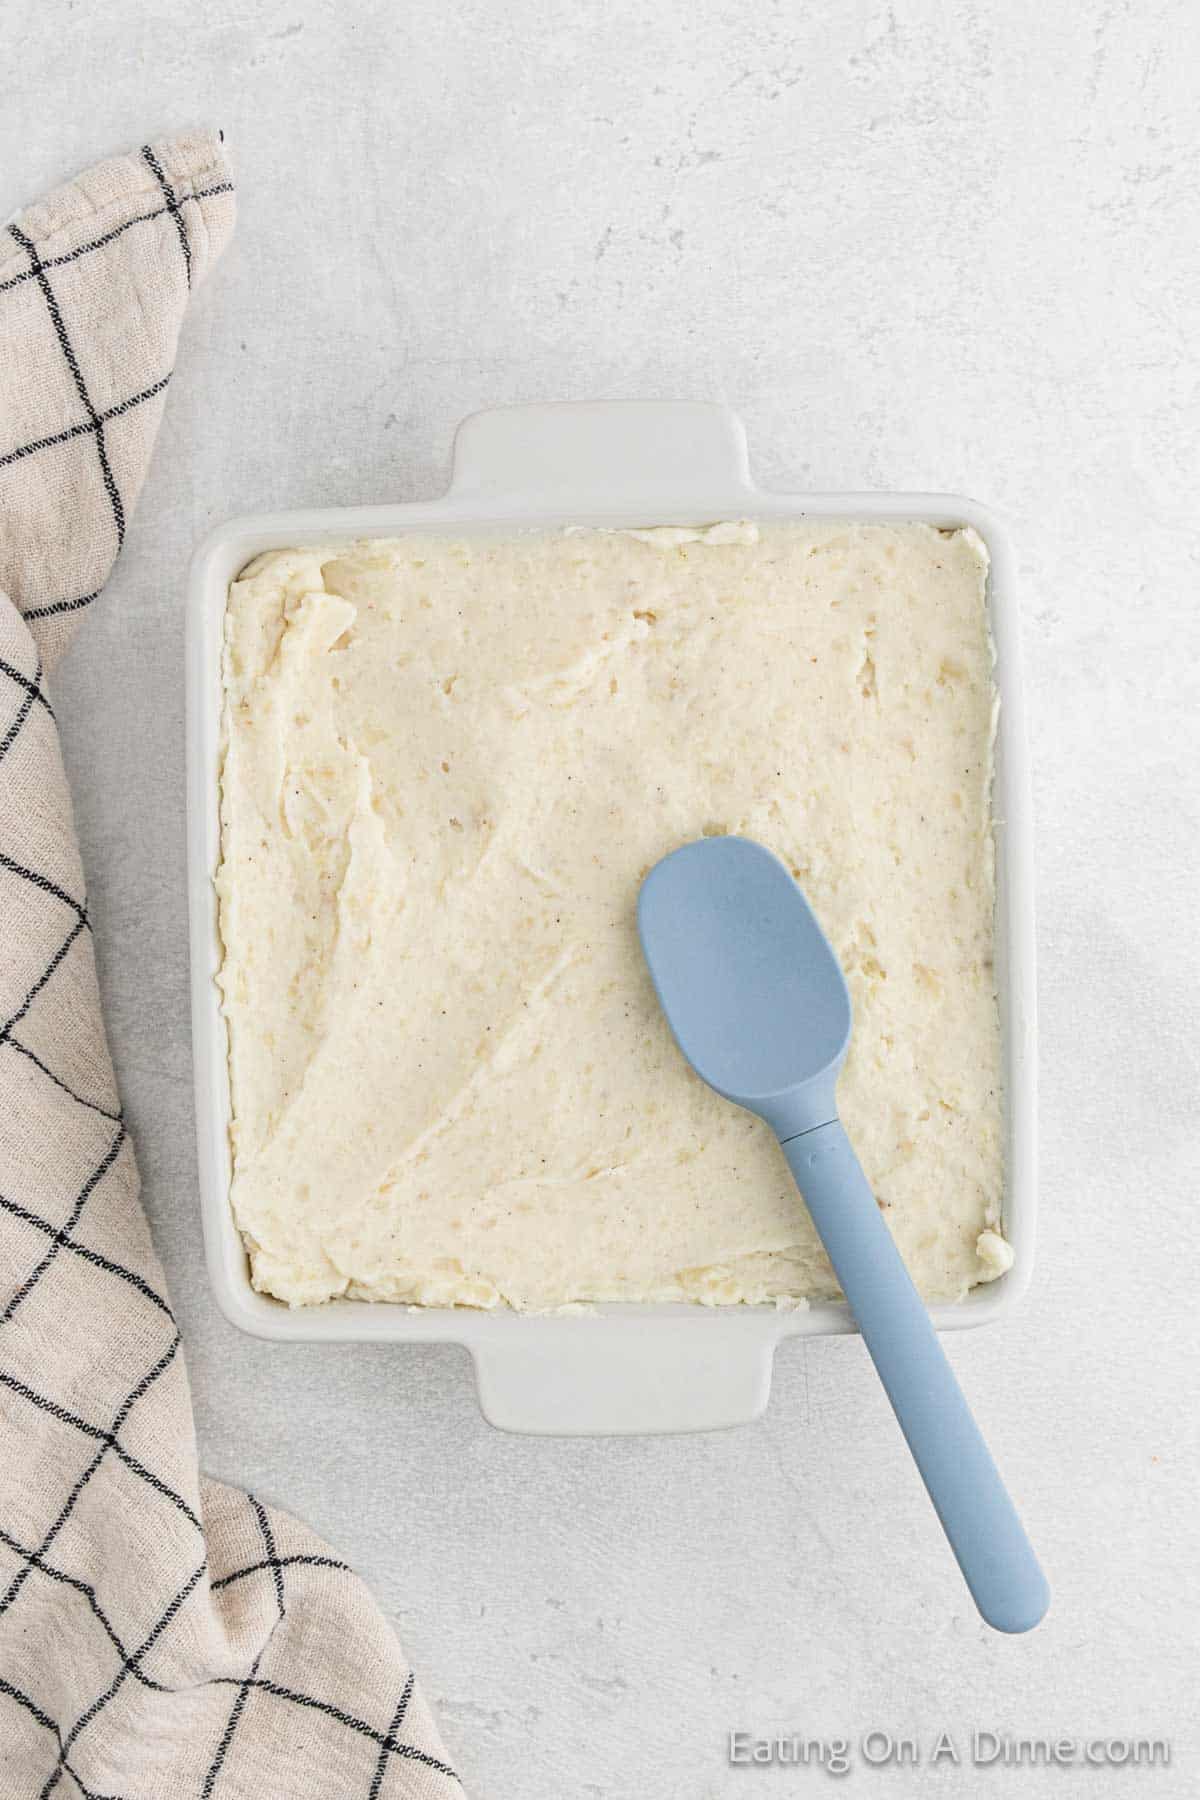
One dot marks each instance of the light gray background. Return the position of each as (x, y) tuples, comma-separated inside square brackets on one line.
[(920, 246)]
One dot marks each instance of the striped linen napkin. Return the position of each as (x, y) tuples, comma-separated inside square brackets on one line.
[(161, 1634)]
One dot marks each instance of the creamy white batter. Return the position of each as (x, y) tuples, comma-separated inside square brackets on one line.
[(449, 764)]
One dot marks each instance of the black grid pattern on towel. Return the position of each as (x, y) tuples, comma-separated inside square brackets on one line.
[(30, 692), (382, 1745), (173, 207), (56, 1243), (93, 423), (108, 237)]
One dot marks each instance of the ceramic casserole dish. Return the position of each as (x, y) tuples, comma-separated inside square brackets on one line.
[(625, 1368)]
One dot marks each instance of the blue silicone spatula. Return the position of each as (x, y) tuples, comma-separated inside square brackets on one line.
[(758, 1004)]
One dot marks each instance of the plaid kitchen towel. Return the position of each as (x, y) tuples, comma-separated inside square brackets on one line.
[(161, 1635)]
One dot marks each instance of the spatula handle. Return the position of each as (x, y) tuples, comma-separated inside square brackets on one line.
[(964, 1484)]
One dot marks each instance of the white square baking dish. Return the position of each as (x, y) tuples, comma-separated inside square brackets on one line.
[(612, 463)]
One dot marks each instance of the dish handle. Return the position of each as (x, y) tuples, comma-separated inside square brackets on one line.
[(648, 455), (604, 1376)]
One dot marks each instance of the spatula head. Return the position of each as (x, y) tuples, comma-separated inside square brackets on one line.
[(748, 980)]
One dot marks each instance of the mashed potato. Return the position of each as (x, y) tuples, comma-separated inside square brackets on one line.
[(448, 765)]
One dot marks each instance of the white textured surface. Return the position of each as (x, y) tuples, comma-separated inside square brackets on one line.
[(923, 246)]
